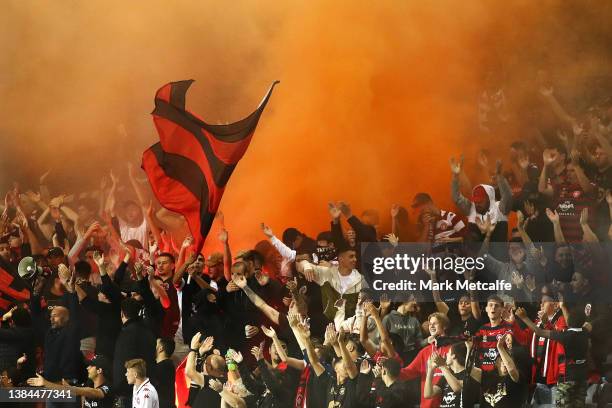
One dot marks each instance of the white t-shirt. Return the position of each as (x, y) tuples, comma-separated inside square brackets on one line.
[(145, 396), (346, 281), (138, 233)]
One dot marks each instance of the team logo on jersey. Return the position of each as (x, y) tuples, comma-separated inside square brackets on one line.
[(449, 398), (491, 354)]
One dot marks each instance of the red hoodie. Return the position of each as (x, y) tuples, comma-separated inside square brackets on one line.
[(418, 368)]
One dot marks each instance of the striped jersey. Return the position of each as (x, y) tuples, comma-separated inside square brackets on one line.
[(449, 225)]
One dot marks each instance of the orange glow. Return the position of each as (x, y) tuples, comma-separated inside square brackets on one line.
[(374, 96)]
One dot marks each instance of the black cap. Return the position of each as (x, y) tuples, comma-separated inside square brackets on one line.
[(55, 252), (420, 199), (102, 362)]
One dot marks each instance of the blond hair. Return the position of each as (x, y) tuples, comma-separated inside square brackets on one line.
[(139, 365), (442, 319)]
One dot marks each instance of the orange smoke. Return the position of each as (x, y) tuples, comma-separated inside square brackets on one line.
[(374, 96)]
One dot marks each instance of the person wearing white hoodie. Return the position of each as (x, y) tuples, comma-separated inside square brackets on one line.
[(482, 204)]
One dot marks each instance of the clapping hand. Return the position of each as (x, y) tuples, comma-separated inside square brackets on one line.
[(215, 385), (365, 367), (268, 331)]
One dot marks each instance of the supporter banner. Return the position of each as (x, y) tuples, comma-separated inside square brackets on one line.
[(518, 272)]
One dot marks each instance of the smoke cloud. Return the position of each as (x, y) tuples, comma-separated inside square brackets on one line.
[(374, 96)]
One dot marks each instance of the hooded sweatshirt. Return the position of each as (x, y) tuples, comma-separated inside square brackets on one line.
[(497, 211), (334, 287)]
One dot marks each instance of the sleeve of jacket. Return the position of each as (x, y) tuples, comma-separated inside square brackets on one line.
[(505, 192), (110, 290), (286, 252), (365, 233), (120, 273), (460, 201), (413, 370), (337, 235)]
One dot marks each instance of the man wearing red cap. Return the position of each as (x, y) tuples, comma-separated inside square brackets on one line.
[(482, 205)]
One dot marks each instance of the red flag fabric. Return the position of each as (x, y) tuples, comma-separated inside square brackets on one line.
[(190, 166), (12, 289), (181, 388)]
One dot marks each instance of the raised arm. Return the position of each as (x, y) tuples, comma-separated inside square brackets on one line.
[(440, 305), (554, 218), (385, 340), (587, 233), (227, 255), (350, 365), (305, 339), (549, 96), (522, 314), (140, 194), (298, 364), (88, 392), (460, 201), (507, 359), (543, 186), (286, 252), (505, 191), (266, 309), (190, 367), (430, 390), (582, 178), (364, 337)]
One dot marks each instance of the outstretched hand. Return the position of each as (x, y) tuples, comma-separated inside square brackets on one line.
[(456, 165), (334, 211), (267, 230), (553, 216)]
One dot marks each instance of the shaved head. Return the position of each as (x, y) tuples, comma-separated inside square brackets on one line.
[(60, 316)]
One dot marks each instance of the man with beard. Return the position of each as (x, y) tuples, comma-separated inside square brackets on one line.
[(482, 204), (96, 394), (63, 358)]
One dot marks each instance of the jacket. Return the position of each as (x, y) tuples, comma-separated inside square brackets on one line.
[(331, 288), (135, 341)]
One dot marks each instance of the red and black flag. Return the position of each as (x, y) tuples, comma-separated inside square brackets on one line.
[(190, 166), (13, 289)]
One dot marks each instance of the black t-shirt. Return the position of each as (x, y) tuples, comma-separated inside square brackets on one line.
[(459, 327), (163, 380), (451, 399), (576, 344), (502, 392), (106, 402), (338, 395), (206, 398)]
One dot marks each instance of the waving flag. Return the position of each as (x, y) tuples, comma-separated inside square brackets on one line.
[(13, 289), (190, 166)]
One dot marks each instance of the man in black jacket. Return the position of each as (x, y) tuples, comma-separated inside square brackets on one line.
[(63, 358), (135, 341)]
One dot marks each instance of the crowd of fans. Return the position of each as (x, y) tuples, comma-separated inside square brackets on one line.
[(97, 298)]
